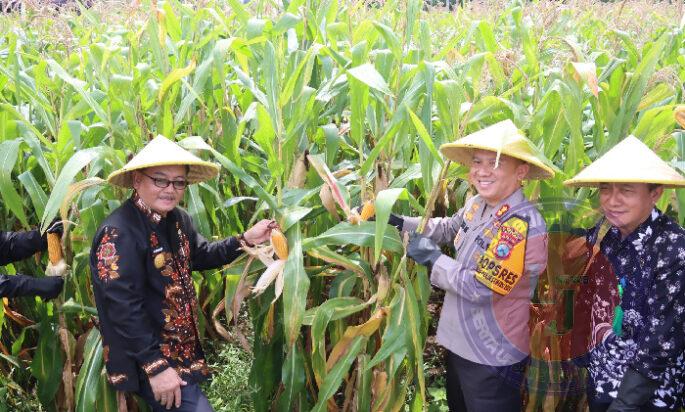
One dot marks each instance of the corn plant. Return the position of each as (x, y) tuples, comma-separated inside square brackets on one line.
[(312, 108)]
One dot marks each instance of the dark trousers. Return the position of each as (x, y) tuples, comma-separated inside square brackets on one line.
[(192, 399), (472, 387), (596, 405)]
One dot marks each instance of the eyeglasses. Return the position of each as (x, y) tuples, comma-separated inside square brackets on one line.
[(164, 183)]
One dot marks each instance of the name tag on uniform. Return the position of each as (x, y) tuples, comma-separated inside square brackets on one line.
[(501, 266)]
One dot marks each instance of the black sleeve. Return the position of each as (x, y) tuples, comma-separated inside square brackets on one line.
[(119, 264), (22, 285), (210, 255), (20, 245)]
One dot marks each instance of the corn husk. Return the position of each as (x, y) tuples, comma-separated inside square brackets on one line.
[(268, 277), (299, 173), (328, 202), (679, 114)]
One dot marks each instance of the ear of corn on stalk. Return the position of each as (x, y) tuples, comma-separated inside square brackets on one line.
[(280, 244), (54, 248), (57, 266), (299, 172), (368, 210), (679, 114)]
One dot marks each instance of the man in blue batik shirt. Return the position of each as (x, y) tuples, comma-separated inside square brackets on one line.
[(635, 295)]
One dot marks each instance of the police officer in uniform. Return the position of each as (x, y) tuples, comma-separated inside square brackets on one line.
[(500, 248)]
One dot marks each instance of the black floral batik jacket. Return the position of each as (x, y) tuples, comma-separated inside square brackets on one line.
[(141, 266), (649, 264)]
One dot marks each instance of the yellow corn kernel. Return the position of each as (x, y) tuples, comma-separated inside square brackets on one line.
[(54, 248), (280, 244), (368, 210)]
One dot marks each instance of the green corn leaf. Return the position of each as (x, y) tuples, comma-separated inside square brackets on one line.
[(337, 373), (59, 191), (9, 151), (293, 375), (384, 203), (89, 376), (361, 235), (106, 396), (173, 77), (47, 363), (295, 288), (367, 74)]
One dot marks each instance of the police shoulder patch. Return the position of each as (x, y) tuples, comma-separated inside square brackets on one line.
[(501, 266)]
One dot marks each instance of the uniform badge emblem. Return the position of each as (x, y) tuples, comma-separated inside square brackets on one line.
[(469, 215), (502, 210), (507, 237)]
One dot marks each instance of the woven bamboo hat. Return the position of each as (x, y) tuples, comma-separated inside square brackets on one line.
[(503, 138), (630, 161), (163, 152)]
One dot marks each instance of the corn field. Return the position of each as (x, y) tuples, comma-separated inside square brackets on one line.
[(312, 108)]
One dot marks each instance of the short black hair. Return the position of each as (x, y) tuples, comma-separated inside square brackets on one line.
[(653, 186)]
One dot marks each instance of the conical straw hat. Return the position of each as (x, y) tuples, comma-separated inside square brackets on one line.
[(163, 152), (504, 138), (630, 161)]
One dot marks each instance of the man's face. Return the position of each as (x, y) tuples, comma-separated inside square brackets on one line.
[(161, 200), (495, 184), (627, 205)]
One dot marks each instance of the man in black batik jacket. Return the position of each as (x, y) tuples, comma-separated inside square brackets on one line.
[(141, 261)]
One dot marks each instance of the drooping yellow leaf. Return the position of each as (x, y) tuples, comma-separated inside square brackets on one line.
[(365, 329), (173, 77), (587, 72)]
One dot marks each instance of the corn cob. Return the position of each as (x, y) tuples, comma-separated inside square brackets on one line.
[(54, 248), (368, 210), (56, 266), (280, 244)]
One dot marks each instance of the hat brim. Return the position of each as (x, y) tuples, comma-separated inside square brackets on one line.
[(668, 184), (463, 153), (629, 161), (197, 172)]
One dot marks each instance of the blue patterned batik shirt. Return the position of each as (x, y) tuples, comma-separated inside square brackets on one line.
[(650, 264)]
